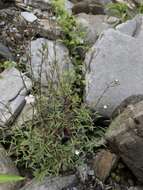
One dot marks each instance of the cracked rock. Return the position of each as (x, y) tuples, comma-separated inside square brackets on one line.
[(114, 68), (48, 60), (13, 89)]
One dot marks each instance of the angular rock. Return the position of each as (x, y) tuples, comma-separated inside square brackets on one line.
[(125, 137), (13, 89), (114, 68), (103, 163), (7, 167), (94, 25), (26, 115), (48, 59), (29, 17), (48, 29), (55, 183)]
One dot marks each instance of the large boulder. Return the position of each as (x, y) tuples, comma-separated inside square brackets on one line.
[(125, 138), (54, 183), (14, 86), (94, 25), (114, 68), (49, 59)]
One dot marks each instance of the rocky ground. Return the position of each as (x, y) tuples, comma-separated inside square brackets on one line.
[(113, 87)]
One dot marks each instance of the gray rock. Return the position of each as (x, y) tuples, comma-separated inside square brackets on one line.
[(53, 63), (5, 53), (55, 183), (26, 115), (12, 94), (114, 68), (48, 29), (29, 17), (7, 167), (46, 4), (93, 25), (125, 137)]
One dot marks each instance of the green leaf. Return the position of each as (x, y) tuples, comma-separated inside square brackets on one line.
[(4, 178)]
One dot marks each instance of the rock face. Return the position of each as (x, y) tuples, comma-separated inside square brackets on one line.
[(114, 67), (125, 137), (54, 61), (56, 183), (94, 25), (13, 90), (7, 167)]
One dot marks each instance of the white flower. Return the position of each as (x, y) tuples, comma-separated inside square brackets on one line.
[(105, 106), (30, 99), (53, 18), (77, 152)]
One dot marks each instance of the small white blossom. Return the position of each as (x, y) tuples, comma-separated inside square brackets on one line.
[(54, 18), (30, 99), (81, 41), (77, 152), (116, 80), (105, 106)]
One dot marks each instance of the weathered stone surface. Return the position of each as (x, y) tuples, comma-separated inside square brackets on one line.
[(114, 68), (54, 62), (48, 29), (45, 4), (12, 94), (26, 115), (29, 17), (7, 167), (94, 25), (55, 183), (103, 163), (125, 137)]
